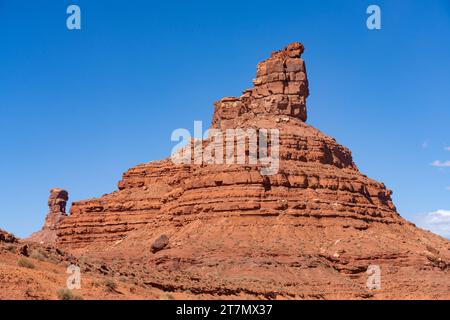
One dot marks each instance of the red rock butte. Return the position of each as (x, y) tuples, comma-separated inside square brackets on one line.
[(309, 231)]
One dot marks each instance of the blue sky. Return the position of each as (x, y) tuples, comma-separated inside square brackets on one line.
[(78, 108)]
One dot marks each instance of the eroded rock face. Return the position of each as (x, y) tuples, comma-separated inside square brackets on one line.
[(280, 88), (7, 237), (317, 176), (57, 207), (57, 202), (308, 231)]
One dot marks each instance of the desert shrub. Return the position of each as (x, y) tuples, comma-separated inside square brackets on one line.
[(67, 294), (96, 284), (38, 255), (77, 297), (110, 284), (166, 296), (22, 262), (11, 247)]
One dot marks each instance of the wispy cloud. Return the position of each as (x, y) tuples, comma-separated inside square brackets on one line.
[(437, 222), (440, 164)]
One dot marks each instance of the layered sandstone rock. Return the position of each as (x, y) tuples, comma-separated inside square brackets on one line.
[(7, 237), (317, 176), (57, 202), (310, 230), (280, 88)]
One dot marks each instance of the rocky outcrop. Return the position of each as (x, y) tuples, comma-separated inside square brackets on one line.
[(57, 202), (160, 243), (7, 237), (280, 88), (316, 178), (309, 230)]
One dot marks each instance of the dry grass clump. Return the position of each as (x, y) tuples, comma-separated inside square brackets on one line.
[(67, 294), (25, 263)]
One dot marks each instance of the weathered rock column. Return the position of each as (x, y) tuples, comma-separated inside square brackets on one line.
[(280, 88), (57, 202), (57, 207)]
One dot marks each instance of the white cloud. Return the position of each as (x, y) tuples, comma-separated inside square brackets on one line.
[(440, 164), (437, 222)]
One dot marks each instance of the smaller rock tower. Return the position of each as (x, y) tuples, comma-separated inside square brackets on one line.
[(280, 88), (57, 202)]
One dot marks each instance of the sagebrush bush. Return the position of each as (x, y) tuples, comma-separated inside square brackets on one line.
[(67, 294), (38, 255), (11, 247), (22, 262), (110, 284), (166, 296)]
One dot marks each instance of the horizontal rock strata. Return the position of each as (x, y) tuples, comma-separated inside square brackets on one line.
[(308, 231)]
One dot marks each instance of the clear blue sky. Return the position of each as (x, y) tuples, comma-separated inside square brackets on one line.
[(78, 108)]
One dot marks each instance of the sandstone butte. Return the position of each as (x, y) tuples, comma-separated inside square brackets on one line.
[(225, 231)]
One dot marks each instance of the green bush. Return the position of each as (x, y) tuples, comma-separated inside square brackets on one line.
[(22, 262)]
